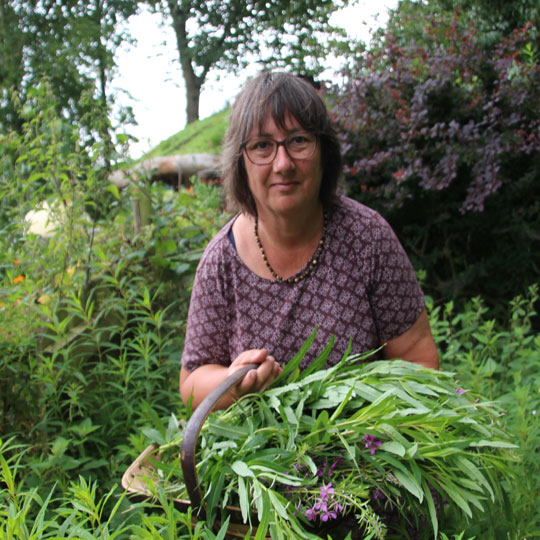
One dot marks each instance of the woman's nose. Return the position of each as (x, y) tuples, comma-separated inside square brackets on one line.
[(283, 162)]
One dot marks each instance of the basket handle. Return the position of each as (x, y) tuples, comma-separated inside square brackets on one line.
[(191, 433)]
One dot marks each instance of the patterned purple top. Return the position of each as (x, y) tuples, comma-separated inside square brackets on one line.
[(364, 289)]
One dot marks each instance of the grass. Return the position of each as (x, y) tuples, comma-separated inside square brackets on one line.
[(201, 137)]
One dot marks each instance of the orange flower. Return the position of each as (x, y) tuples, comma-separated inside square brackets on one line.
[(15, 261), (18, 279)]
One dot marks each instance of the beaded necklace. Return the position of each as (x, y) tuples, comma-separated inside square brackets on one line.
[(309, 267)]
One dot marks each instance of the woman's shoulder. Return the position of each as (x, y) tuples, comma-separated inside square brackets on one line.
[(219, 246), (355, 216)]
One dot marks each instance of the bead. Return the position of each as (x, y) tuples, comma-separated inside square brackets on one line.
[(310, 265)]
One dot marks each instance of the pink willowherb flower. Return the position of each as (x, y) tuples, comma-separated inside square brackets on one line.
[(372, 443)]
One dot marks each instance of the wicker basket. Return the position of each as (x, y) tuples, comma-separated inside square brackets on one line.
[(141, 472)]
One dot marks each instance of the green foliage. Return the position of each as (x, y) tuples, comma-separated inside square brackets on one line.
[(377, 440), (92, 339), (72, 44), (228, 36), (492, 18), (501, 362), (81, 512), (92, 314)]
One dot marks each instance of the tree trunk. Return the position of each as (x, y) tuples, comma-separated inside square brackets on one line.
[(193, 93), (193, 82), (104, 126)]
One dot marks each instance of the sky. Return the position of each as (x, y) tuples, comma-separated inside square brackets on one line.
[(149, 78)]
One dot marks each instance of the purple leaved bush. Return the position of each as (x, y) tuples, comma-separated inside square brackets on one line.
[(441, 134), (440, 111)]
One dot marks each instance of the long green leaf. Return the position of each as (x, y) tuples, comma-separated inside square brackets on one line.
[(264, 522), (294, 363), (410, 483), (243, 496), (431, 508), (213, 498), (223, 529), (242, 470), (320, 361)]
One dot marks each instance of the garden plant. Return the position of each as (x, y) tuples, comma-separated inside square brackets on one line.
[(441, 127), (92, 318), (387, 445)]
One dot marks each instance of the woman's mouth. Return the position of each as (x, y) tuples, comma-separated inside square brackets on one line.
[(284, 186)]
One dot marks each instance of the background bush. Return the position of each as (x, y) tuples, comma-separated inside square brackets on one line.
[(93, 315), (501, 362), (441, 132)]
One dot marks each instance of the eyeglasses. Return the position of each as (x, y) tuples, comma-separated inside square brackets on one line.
[(263, 150)]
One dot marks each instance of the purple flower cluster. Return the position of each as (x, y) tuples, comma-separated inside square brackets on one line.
[(372, 443), (324, 507), (320, 506)]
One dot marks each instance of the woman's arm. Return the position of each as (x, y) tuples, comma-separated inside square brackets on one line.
[(415, 345), (201, 381)]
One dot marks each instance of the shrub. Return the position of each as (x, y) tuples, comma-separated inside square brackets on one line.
[(81, 512), (93, 315), (87, 363), (502, 362), (442, 136)]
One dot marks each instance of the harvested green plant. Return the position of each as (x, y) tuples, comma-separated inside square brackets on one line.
[(359, 442)]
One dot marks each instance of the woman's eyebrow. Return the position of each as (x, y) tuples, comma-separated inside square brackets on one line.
[(286, 131)]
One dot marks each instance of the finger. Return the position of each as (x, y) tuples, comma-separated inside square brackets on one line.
[(264, 372), (276, 368), (257, 356), (253, 356), (274, 374), (267, 373), (258, 379), (248, 384)]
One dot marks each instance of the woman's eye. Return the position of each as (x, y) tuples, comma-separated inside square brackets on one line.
[(261, 145), (299, 139)]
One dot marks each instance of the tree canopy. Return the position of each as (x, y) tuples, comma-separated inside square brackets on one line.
[(70, 43), (227, 35)]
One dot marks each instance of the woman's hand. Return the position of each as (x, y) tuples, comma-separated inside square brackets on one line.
[(256, 379), (197, 384)]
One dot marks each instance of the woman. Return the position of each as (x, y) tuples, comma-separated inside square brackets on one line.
[(296, 256)]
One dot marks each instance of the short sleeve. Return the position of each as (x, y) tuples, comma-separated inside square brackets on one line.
[(206, 332), (395, 295)]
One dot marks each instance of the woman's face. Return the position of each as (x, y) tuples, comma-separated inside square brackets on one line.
[(285, 185)]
